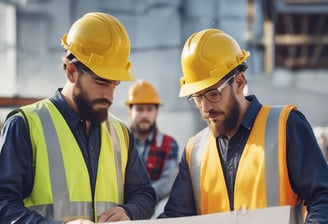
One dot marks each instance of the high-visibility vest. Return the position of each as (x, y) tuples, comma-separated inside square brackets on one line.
[(61, 189), (262, 176)]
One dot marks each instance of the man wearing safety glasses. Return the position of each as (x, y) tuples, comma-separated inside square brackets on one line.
[(251, 155)]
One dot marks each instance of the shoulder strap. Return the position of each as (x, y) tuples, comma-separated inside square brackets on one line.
[(20, 111), (271, 156)]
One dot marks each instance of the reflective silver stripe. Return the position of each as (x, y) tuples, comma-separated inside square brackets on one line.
[(117, 155), (272, 166), (196, 157), (56, 167), (271, 157), (74, 211), (103, 206)]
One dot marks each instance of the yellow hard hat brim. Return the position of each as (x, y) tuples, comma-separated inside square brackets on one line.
[(114, 74), (191, 88)]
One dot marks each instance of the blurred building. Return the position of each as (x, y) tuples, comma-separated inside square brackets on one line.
[(288, 41)]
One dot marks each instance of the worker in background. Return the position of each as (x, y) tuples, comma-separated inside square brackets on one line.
[(66, 159), (251, 155), (158, 151)]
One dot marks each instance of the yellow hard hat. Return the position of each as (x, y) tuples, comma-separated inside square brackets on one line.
[(207, 57), (100, 42), (142, 92)]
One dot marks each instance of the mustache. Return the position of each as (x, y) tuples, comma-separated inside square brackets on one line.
[(101, 101), (144, 120), (213, 113)]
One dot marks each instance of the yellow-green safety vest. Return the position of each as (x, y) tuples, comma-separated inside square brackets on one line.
[(61, 189), (262, 176)]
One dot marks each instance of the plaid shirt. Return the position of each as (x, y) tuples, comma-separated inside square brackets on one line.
[(159, 153)]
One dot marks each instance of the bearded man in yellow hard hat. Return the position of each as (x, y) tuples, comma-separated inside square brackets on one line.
[(251, 155), (66, 159)]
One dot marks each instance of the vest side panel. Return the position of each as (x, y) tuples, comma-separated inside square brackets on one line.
[(287, 195), (250, 189), (124, 141), (110, 178), (213, 190), (41, 192), (77, 175), (106, 187)]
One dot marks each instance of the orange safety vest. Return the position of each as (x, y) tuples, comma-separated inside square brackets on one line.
[(262, 176)]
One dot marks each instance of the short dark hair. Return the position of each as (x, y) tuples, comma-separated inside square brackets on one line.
[(240, 68)]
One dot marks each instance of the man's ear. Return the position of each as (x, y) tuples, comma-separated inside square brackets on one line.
[(71, 71), (241, 81)]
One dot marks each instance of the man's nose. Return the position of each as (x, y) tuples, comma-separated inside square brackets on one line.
[(205, 105), (109, 92)]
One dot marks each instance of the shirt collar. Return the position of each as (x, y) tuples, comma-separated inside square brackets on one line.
[(252, 111), (148, 140), (72, 117)]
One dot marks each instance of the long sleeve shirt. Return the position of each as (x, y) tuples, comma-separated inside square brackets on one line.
[(17, 175), (164, 184), (307, 168)]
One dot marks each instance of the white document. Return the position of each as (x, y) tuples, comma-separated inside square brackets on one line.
[(273, 215)]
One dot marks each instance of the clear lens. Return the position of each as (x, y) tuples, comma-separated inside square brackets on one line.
[(212, 95)]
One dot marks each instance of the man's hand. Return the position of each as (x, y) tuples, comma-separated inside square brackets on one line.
[(114, 214), (80, 221)]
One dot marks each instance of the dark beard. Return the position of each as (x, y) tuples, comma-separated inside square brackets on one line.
[(230, 123), (84, 105), (86, 112)]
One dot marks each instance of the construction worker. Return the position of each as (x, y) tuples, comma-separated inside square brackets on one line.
[(251, 155), (158, 151), (66, 159)]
